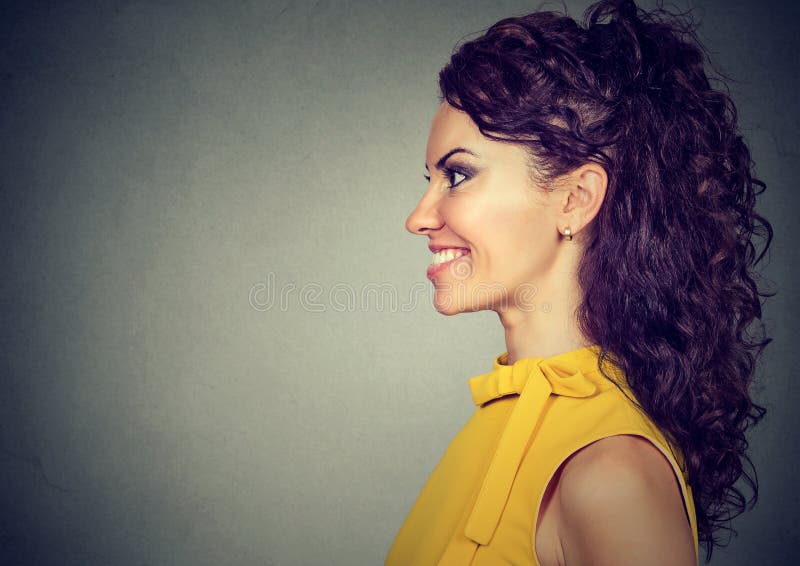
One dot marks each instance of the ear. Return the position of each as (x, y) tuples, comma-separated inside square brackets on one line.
[(581, 193)]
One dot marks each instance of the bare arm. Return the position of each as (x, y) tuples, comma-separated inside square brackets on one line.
[(620, 505)]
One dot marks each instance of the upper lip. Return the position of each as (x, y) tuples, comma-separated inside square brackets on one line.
[(439, 247)]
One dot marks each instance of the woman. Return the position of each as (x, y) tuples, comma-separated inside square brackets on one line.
[(589, 185)]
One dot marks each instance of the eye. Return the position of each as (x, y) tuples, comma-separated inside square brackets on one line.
[(455, 177), (427, 177)]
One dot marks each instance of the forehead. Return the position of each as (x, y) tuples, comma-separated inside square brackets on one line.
[(452, 128)]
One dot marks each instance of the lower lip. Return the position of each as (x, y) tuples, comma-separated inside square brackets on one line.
[(434, 270)]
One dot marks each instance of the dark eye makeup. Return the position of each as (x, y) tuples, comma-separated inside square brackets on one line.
[(455, 175)]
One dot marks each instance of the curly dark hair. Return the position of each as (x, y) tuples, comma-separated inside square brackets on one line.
[(669, 287)]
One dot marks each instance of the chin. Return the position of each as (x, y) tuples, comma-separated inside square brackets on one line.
[(447, 304), (446, 308)]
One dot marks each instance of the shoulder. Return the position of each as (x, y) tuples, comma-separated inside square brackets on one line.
[(620, 503), (621, 462)]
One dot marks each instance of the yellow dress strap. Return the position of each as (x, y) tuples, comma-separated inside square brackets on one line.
[(534, 379)]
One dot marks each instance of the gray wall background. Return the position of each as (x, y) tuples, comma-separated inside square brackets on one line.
[(160, 161)]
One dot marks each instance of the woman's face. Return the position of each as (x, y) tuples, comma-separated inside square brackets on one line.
[(481, 203)]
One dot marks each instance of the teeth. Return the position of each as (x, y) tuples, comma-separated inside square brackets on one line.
[(443, 256)]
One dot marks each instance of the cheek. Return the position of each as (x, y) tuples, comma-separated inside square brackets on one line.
[(513, 228), (521, 246), (532, 228), (464, 217), (503, 228)]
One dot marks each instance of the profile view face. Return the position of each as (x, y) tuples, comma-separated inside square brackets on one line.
[(491, 228)]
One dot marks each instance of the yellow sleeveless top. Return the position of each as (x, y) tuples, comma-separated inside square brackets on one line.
[(479, 506)]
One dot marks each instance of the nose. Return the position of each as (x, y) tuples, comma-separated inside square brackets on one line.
[(425, 217)]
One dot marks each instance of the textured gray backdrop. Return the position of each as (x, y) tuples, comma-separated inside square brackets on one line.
[(166, 167)]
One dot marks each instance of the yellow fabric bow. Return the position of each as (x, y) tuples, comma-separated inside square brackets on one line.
[(534, 379)]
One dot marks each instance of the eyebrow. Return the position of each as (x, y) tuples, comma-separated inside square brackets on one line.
[(443, 159)]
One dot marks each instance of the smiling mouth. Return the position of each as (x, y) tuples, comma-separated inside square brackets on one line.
[(443, 258), (448, 254)]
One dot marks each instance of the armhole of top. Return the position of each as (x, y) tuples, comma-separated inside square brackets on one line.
[(677, 475)]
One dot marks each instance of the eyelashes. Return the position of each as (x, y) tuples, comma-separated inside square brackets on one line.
[(454, 175)]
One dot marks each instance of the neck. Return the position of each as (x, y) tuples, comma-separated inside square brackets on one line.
[(531, 334)]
